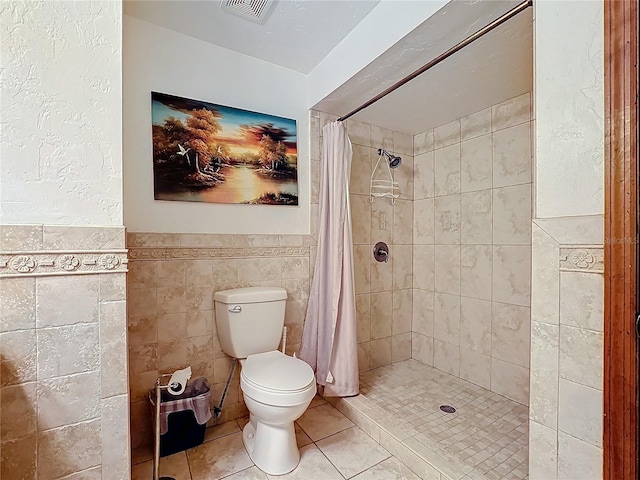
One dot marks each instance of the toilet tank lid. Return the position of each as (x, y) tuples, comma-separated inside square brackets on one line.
[(250, 295)]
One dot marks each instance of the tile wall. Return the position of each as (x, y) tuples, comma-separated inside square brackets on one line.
[(63, 357), (472, 247), (384, 296)]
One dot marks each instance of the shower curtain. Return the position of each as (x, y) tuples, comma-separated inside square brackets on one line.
[(329, 342)]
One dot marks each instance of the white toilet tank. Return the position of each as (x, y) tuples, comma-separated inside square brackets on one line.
[(250, 320)]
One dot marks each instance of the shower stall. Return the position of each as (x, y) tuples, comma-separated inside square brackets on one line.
[(444, 322)]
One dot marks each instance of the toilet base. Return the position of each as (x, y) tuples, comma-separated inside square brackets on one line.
[(272, 448)]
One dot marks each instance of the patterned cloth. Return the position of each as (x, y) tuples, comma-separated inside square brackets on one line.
[(195, 397)]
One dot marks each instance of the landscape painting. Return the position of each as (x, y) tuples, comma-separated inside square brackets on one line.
[(204, 152)]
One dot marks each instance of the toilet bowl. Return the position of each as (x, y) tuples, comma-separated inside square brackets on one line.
[(277, 390)]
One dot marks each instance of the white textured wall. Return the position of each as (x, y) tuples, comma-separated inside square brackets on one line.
[(191, 68), (61, 111), (569, 84)]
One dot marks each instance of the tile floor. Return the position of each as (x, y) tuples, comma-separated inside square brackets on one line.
[(485, 439), (331, 447)]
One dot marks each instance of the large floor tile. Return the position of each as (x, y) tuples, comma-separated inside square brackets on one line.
[(313, 466), (221, 430), (390, 469), (219, 458), (322, 421), (352, 451), (252, 473), (175, 466)]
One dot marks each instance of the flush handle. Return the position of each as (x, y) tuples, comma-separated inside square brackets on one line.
[(236, 309)]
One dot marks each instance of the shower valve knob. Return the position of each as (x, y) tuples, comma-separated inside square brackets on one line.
[(381, 252)]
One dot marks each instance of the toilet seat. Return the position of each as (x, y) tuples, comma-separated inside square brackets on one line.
[(276, 379)]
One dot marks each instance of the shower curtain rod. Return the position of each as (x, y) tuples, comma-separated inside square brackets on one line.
[(459, 46)]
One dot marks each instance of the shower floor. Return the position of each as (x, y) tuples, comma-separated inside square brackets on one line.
[(399, 406)]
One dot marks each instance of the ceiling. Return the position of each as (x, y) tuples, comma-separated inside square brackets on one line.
[(494, 68), (293, 35)]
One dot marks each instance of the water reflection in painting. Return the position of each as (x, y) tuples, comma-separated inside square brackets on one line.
[(203, 152)]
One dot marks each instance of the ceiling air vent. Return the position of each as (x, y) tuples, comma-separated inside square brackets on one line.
[(254, 10)]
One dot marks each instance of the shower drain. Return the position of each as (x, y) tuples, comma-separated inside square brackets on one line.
[(447, 409)]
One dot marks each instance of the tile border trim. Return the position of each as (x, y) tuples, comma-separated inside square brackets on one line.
[(62, 262), (581, 258), (175, 253)]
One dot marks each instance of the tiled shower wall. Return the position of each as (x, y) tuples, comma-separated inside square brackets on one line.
[(63, 357), (383, 290), (472, 247)]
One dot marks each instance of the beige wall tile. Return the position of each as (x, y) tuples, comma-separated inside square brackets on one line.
[(380, 352), (139, 386), (17, 304), (403, 222), (510, 380), (402, 310), (16, 238), (65, 237), (171, 273), (113, 287), (359, 132), (115, 440), (446, 134), (447, 269), (511, 112), (381, 273), (447, 318), (423, 176), (295, 267), (360, 218), (19, 458), (69, 399), (581, 356), (113, 348), (199, 272), (135, 239), (142, 274), (143, 358), (225, 272), (580, 412), (476, 265), (512, 156), (142, 302), (512, 275), (578, 459), (362, 268), (381, 314), (476, 124), (402, 266), (545, 340), (447, 170), (476, 217), (422, 348), (382, 221), (142, 330), (68, 350), (172, 326), (200, 297), (476, 164), (69, 449), (403, 175), (511, 333), (543, 454), (402, 143), (172, 356), (512, 215), (381, 138), (424, 267), (424, 221), (582, 300), (423, 312), (475, 367), (446, 357), (297, 288), (475, 325), (401, 347), (205, 240), (423, 142), (360, 169), (363, 318), (67, 300), (18, 359), (18, 412), (172, 299), (364, 356), (447, 220), (545, 278), (241, 240)]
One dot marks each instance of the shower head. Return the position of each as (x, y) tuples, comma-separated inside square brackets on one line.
[(394, 161)]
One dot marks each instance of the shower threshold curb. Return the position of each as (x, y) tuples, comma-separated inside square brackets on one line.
[(399, 440)]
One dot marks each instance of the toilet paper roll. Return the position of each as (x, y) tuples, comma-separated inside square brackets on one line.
[(178, 381)]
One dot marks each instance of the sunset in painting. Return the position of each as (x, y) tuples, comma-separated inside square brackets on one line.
[(203, 152)]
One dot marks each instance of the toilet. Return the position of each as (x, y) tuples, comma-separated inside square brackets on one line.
[(277, 388)]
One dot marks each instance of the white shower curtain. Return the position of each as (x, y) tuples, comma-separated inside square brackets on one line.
[(329, 342)]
